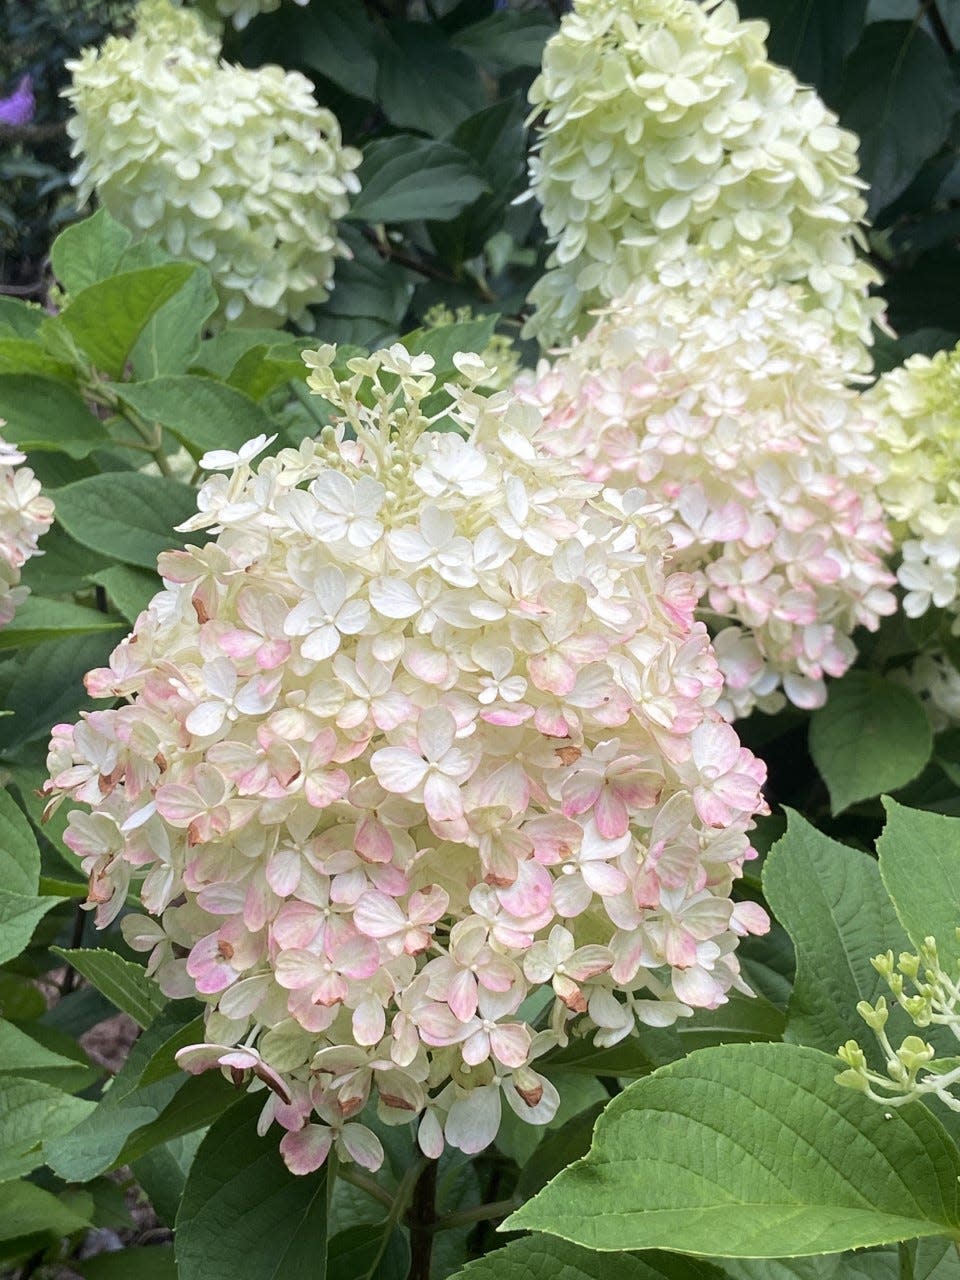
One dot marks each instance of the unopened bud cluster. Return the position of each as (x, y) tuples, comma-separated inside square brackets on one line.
[(930, 996)]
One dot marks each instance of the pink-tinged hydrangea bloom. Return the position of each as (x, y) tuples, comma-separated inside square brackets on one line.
[(917, 408), (24, 517), (663, 128), (727, 402), (424, 729)]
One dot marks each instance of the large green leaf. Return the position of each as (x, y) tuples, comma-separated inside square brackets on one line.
[(130, 589), (48, 687), (405, 178), (43, 413), (507, 40), (171, 338), (811, 37), (201, 412), (19, 854), (753, 1151), (19, 319), (546, 1258), (22, 355), (32, 1113), (38, 620), (920, 866), (154, 1262), (132, 521), (26, 1210), (243, 1213), (107, 318), (831, 901), (900, 96), (20, 913), (124, 983), (355, 1253), (424, 83), (21, 1054), (872, 736), (337, 39), (88, 251)]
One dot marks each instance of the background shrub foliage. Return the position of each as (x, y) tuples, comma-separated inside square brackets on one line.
[(723, 1146)]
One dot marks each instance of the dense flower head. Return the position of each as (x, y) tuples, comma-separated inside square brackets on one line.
[(24, 517), (732, 405), (234, 168), (917, 407), (423, 731), (662, 125)]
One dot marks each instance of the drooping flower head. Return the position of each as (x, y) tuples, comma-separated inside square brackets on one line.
[(24, 517), (238, 169), (730, 404), (426, 728), (662, 125), (917, 408)]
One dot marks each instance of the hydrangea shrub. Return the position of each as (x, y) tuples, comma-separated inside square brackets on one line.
[(663, 127), (237, 169), (727, 402), (426, 729)]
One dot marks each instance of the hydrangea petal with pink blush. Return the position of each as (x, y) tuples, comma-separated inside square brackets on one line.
[(733, 407), (488, 761), (25, 515)]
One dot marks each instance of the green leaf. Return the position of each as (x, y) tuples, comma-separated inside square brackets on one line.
[(920, 866), (243, 1213), (753, 1151), (30, 1114), (201, 412), (545, 1258), (831, 901), (506, 40), (171, 338), (444, 341), (405, 178), (220, 354), (152, 1262), (38, 620), (264, 368), (48, 687), (336, 39), (871, 736), (20, 1054), (19, 319), (26, 1210), (124, 983), (359, 1251), (424, 83), (20, 913), (64, 564), (899, 95), (19, 854), (21, 355), (197, 1102), (811, 37), (162, 1173), (132, 521), (558, 1149), (88, 251), (42, 413), (106, 318), (131, 590)]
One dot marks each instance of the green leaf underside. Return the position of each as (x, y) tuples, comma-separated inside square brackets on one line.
[(752, 1151)]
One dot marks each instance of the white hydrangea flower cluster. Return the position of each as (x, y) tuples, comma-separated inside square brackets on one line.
[(664, 126), (242, 12), (423, 731), (935, 680), (24, 517), (917, 407), (729, 403), (238, 169)]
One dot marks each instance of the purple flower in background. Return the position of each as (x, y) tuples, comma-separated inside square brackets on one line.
[(20, 106)]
